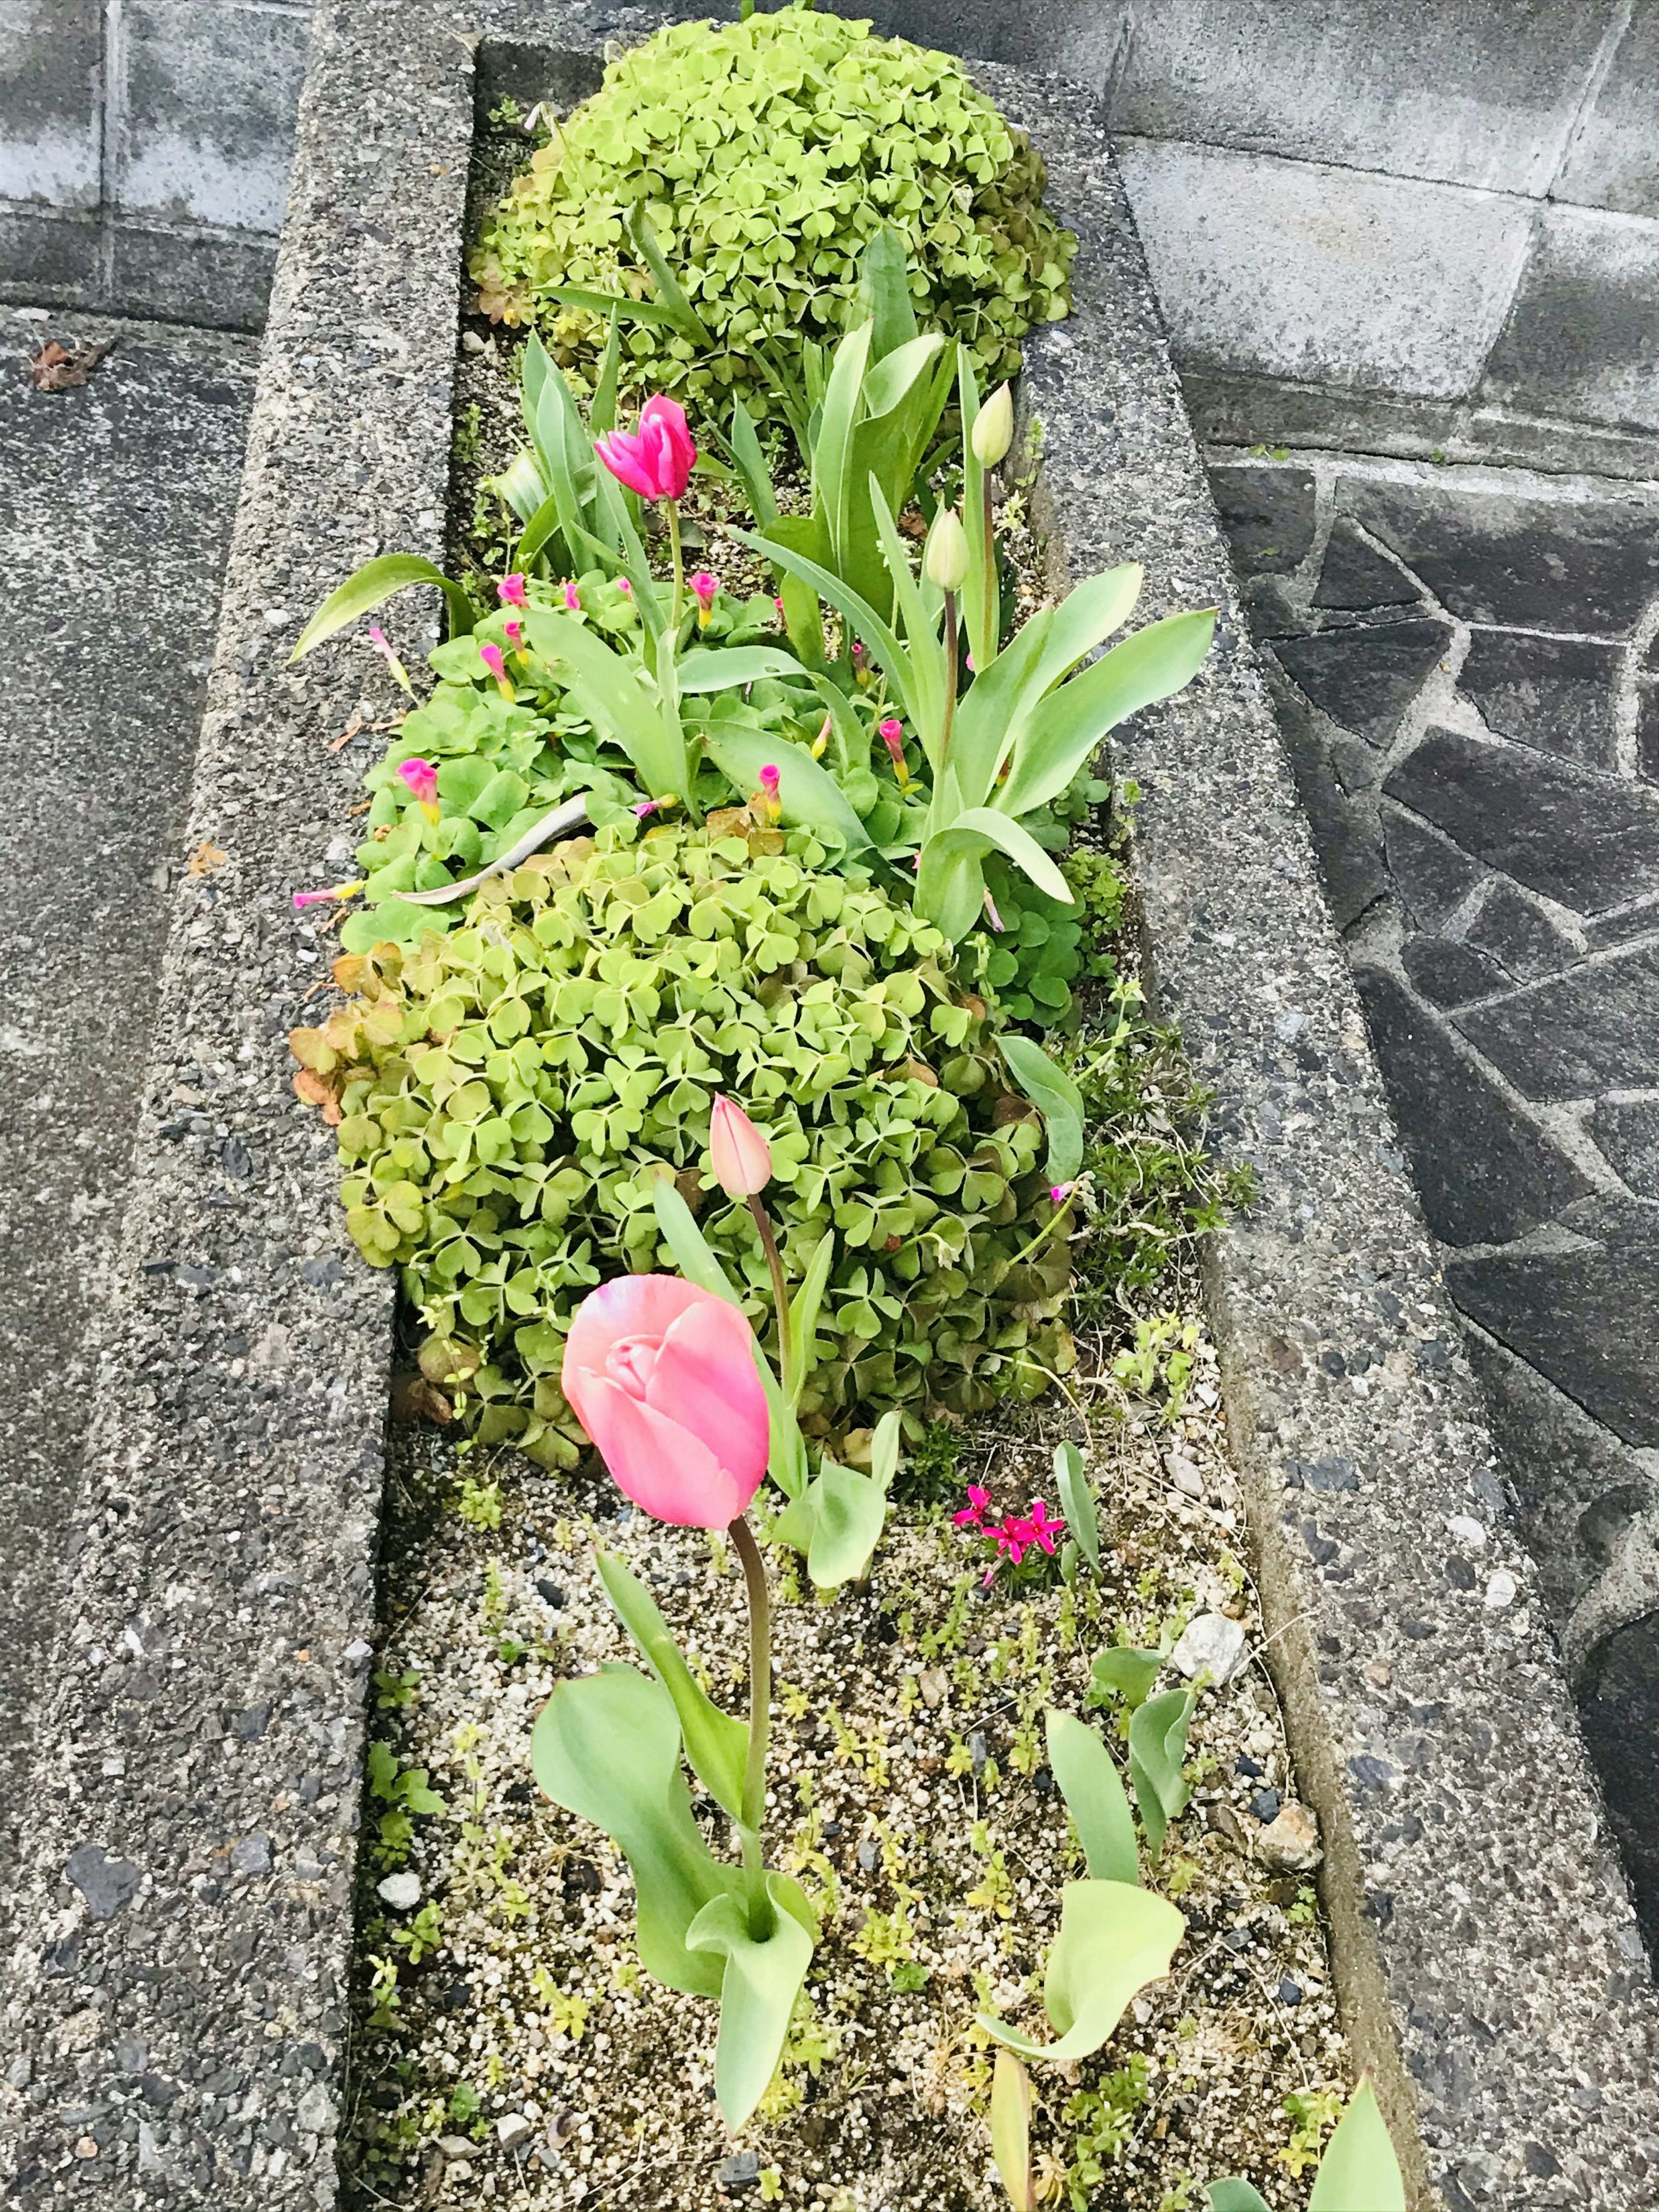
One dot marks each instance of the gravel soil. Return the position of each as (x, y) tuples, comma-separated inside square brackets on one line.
[(528, 2061)]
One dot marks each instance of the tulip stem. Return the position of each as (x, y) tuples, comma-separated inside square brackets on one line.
[(673, 506), (949, 679), (779, 1290), (762, 1915)]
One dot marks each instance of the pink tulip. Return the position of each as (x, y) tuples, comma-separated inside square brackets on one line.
[(656, 462), (662, 1376), (766, 800), (737, 1152), (511, 590), (421, 778)]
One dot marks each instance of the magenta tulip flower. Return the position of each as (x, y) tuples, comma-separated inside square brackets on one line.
[(656, 462), (738, 1154), (662, 1376)]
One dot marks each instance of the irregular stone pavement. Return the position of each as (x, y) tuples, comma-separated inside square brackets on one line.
[(1465, 665), (115, 503)]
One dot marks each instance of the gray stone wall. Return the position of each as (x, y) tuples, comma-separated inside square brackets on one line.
[(143, 153)]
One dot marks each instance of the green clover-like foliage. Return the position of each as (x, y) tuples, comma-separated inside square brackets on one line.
[(509, 1092), (765, 155)]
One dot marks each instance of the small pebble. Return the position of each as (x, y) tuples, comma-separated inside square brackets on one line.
[(512, 2129), (1289, 1994), (1290, 1842), (1187, 1478), (1501, 1589), (741, 2170), (1264, 1806), (1252, 1769), (1214, 1644), (401, 1891)]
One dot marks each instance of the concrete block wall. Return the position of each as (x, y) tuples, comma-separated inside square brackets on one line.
[(144, 149)]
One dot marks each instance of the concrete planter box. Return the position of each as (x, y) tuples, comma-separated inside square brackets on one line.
[(182, 1929)]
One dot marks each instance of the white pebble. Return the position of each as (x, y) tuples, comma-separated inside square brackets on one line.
[(1214, 1642), (1501, 1589), (1467, 1530), (401, 1891)]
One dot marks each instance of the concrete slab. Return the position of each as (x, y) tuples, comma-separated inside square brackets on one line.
[(1464, 93), (115, 503), (1582, 338), (1300, 271), (51, 51), (1613, 161)]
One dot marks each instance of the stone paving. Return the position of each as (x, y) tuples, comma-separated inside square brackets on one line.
[(1466, 666), (116, 502)]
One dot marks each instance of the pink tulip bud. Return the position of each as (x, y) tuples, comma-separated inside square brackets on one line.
[(572, 600), (662, 1376), (738, 1154), (511, 590), (656, 463), (421, 778)]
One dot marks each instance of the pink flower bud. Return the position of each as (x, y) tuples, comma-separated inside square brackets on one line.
[(770, 804), (572, 600), (491, 657), (738, 1154), (624, 588), (646, 807), (511, 590), (705, 586), (400, 674), (421, 778), (994, 918), (1059, 1192), (515, 633)]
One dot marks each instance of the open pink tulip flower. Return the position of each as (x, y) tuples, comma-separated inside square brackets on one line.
[(656, 462), (738, 1154), (662, 1376)]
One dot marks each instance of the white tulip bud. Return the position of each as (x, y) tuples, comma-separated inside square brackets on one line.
[(946, 561), (994, 427)]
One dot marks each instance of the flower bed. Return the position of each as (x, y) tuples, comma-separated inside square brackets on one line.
[(757, 788)]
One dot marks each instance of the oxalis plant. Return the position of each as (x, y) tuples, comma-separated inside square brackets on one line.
[(667, 1378)]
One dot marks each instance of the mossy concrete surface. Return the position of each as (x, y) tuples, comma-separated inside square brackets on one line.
[(183, 1921)]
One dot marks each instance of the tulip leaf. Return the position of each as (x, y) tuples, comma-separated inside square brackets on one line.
[(1115, 1938), (981, 611), (612, 303), (759, 1986), (673, 297), (698, 1263), (1124, 1671), (607, 1748), (605, 686), (979, 829), (1157, 1744), (865, 623), (1153, 663), (722, 668), (716, 1744), (376, 582), (884, 292), (1236, 2196), (1056, 1097), (837, 1524), (1011, 2129), (804, 1309), (1076, 1501), (809, 795), (1360, 2172), (884, 1449), (1093, 1790), (749, 461)]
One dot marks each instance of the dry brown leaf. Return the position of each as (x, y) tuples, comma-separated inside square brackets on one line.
[(56, 369), (207, 857), (414, 1399), (312, 1090)]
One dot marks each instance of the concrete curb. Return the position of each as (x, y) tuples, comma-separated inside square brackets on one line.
[(178, 2014)]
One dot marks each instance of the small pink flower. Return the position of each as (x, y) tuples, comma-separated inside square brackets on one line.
[(624, 588), (771, 805), (491, 657), (334, 891), (1039, 1529), (421, 778), (511, 590), (968, 658), (572, 600), (646, 807), (891, 734), (400, 674), (778, 603), (705, 586), (1059, 1192), (994, 918), (973, 1514), (861, 663), (1012, 1538), (515, 633)]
